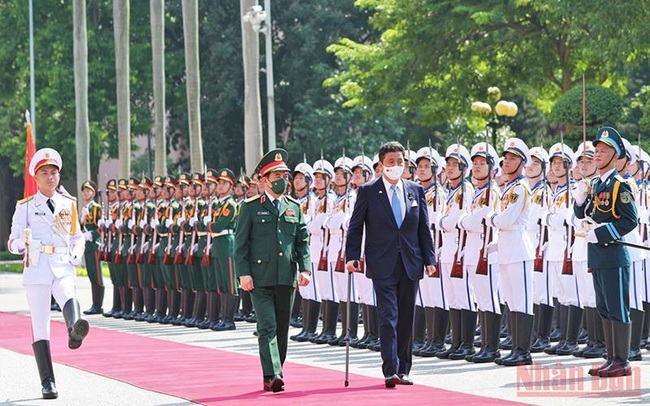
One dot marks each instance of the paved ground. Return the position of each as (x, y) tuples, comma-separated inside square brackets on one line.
[(554, 380)]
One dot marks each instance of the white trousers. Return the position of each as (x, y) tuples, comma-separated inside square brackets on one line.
[(38, 297), (586, 292), (310, 292), (637, 285), (365, 289), (515, 285), (485, 288), (543, 286)]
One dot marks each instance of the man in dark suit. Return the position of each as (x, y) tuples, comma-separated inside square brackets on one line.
[(398, 248)]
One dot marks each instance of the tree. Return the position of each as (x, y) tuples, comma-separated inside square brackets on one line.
[(157, 8), (192, 69), (82, 133), (121, 26)]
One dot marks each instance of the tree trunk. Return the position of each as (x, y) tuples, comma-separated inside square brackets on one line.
[(193, 83), (82, 132), (252, 106), (158, 53), (121, 27)]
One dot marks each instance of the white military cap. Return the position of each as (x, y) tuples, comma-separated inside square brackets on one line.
[(479, 150), (324, 167), (344, 163), (362, 161), (43, 157), (432, 155), (375, 161), (631, 155), (412, 156), (305, 169), (518, 147), (563, 151), (541, 154), (459, 153), (641, 155), (585, 149)]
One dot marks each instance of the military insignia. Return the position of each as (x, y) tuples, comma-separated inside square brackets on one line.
[(263, 213), (225, 211), (538, 199), (626, 198), (457, 198), (514, 197), (512, 144), (278, 157), (481, 201), (604, 134), (290, 212)]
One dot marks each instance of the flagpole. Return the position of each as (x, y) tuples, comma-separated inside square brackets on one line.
[(32, 86)]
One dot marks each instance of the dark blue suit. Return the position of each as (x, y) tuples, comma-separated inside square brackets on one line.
[(395, 259)]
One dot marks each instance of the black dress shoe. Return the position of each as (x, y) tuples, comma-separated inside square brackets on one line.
[(540, 345), (77, 333), (521, 357), (275, 384), (596, 351), (391, 381), (93, 310), (404, 379), (49, 389)]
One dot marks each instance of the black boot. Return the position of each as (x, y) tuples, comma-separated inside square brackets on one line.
[(563, 321), (212, 306), (77, 327), (491, 329), (428, 326), (174, 304), (373, 329), (418, 328), (544, 320), (353, 326), (364, 320), (98, 300), (438, 333), (512, 328), (483, 341), (343, 312), (637, 317), (329, 322), (160, 304), (305, 319), (310, 321), (574, 325), (296, 311), (621, 333), (150, 304), (456, 331), (117, 304), (229, 309), (521, 349), (468, 329), (596, 335), (646, 325), (609, 345), (198, 310), (184, 303), (45, 370)]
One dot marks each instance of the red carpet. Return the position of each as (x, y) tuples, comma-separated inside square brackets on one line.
[(211, 376)]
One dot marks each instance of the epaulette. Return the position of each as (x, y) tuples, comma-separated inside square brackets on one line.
[(25, 200), (69, 196), (252, 199), (619, 178), (292, 199)]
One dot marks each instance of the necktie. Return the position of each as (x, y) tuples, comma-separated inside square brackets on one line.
[(50, 204), (397, 206), (276, 203)]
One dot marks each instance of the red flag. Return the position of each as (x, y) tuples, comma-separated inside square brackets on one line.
[(30, 182)]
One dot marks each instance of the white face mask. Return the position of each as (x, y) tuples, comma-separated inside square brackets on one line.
[(393, 172)]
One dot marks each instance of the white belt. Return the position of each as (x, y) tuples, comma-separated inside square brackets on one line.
[(512, 228), (220, 233), (51, 249), (337, 231), (201, 233)]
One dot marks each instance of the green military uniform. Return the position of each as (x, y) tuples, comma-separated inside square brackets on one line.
[(130, 249), (120, 249), (224, 214), (610, 204), (269, 242), (110, 242), (91, 214), (169, 211), (181, 242)]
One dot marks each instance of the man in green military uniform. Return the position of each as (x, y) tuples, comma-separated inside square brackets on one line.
[(271, 240), (91, 213), (607, 205)]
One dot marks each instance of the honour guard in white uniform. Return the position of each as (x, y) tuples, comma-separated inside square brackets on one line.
[(459, 199), (595, 347), (641, 176), (515, 266), (45, 229), (430, 294), (480, 259), (318, 244)]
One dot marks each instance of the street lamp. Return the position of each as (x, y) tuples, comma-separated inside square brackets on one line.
[(502, 108), (260, 21)]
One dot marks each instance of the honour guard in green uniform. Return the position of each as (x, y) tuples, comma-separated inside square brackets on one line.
[(607, 205), (120, 246), (135, 207), (271, 250), (143, 241), (151, 253), (186, 198), (221, 226), (91, 213), (109, 240), (166, 249), (195, 213)]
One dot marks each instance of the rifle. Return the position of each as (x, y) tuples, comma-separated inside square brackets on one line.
[(434, 231), (206, 259), (457, 266), (152, 250), (538, 263), (119, 257), (130, 258), (567, 267), (340, 258), (189, 260), (178, 257), (167, 258), (482, 266), (107, 256), (139, 259)]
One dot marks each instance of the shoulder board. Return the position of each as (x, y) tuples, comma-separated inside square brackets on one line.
[(25, 200), (69, 196), (292, 199), (175, 205), (619, 178), (252, 199)]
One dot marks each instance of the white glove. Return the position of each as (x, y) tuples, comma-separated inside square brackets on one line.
[(591, 237), (118, 223), (88, 236), (109, 222), (75, 260), (206, 220), (488, 217), (587, 224), (100, 223), (580, 193), (154, 223), (195, 248), (168, 223), (143, 223), (193, 221), (180, 221), (130, 224)]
